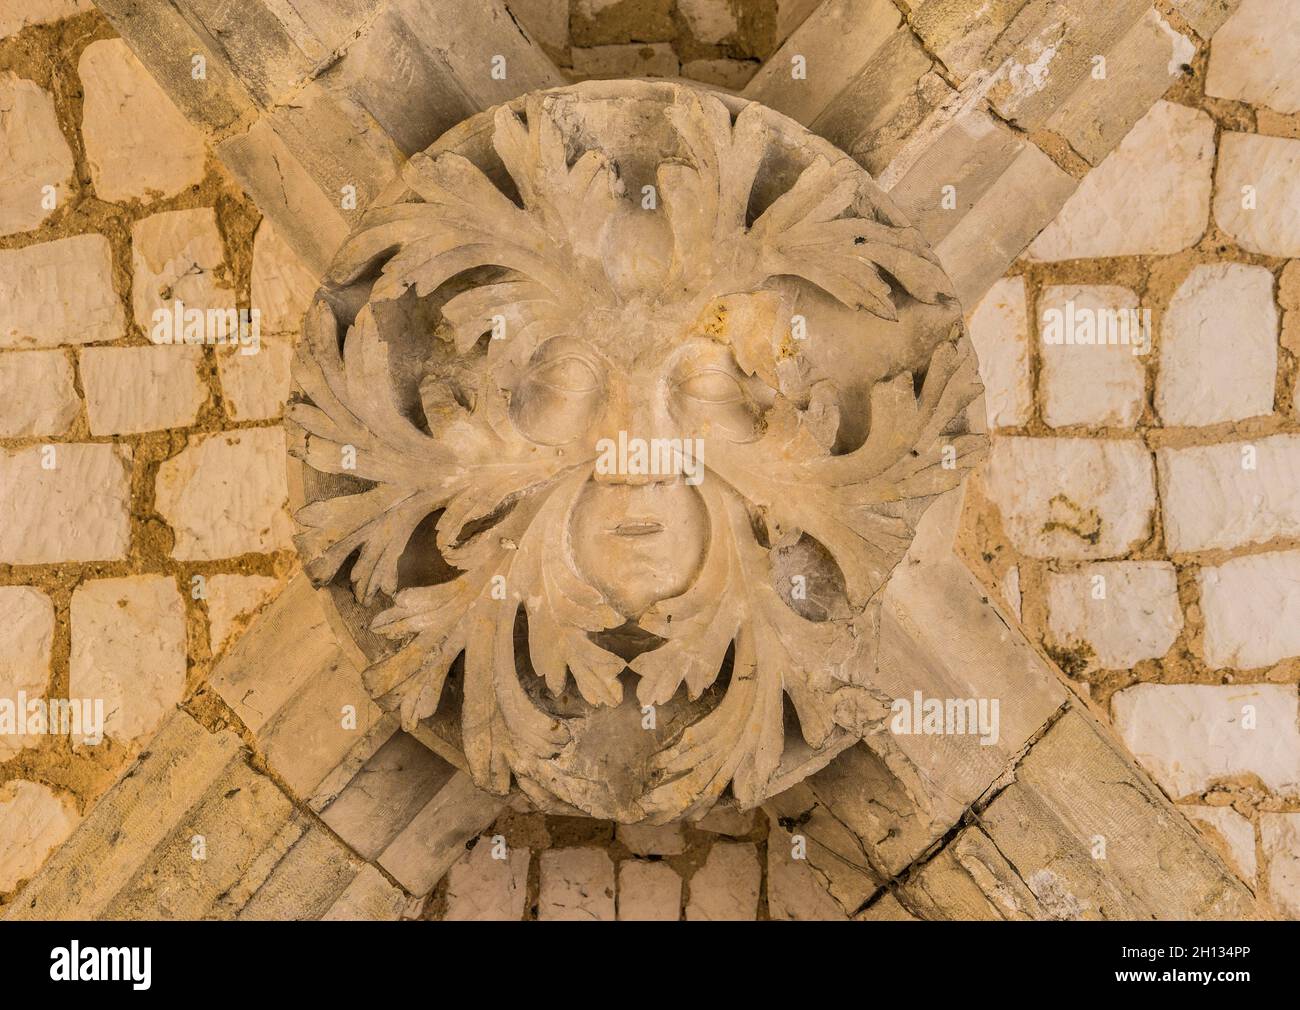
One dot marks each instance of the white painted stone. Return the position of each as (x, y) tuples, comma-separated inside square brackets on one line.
[(1095, 375), (1150, 195), (135, 389), (128, 648), (18, 14), (710, 21), (37, 392), (1235, 835), (283, 286), (59, 292), (1137, 616), (1218, 346), (1072, 498), (726, 886), (481, 888), (138, 144), (232, 601), (33, 822), (178, 256), (1280, 838), (256, 386), (1252, 610), (26, 638), (653, 839), (225, 495), (1189, 736), (648, 892), (577, 885), (77, 510), (1229, 495), (36, 164), (999, 328), (1254, 56), (1264, 218)]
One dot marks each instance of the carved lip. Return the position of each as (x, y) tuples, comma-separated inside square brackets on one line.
[(638, 528)]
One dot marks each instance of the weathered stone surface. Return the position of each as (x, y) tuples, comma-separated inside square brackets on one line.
[(1232, 835), (1280, 837), (794, 889), (1252, 610), (886, 908), (547, 22), (484, 888), (1072, 498), (726, 886), (18, 16), (971, 880), (1257, 192), (1151, 195), (138, 144), (26, 637), (283, 285), (76, 510), (653, 839), (732, 74), (1189, 736), (301, 884), (711, 21), (178, 256), (369, 898), (648, 892), (840, 829), (999, 329), (1230, 494), (1123, 611), (37, 391), (655, 59), (1094, 375), (35, 821), (35, 161), (128, 648), (232, 601), (726, 819), (1218, 348), (136, 389), (435, 838), (225, 495), (1254, 56), (59, 292), (256, 386), (577, 885), (1205, 16)]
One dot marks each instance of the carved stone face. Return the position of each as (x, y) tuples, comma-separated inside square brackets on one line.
[(617, 414)]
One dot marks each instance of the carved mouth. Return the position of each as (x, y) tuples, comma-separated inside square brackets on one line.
[(638, 528)]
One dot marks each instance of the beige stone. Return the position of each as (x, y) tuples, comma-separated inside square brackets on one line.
[(1280, 838), (128, 649), (653, 839), (711, 21), (59, 292), (14, 18), (1227, 495), (178, 256), (1189, 736), (1257, 193), (1252, 610), (999, 329), (225, 495), (490, 884), (1218, 347), (232, 601), (1254, 56), (26, 638), (138, 144), (1092, 368), (256, 385), (33, 821), (1123, 611), (1151, 195), (655, 59), (732, 74), (726, 819), (37, 391), (1073, 498), (35, 161), (67, 502), (794, 889), (136, 389), (283, 286), (726, 886), (577, 885), (546, 20), (1234, 835), (648, 892)]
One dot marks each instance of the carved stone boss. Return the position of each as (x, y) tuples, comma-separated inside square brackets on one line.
[(614, 416)]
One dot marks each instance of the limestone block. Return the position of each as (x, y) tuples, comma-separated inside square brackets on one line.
[(135, 389), (794, 889), (38, 12), (1123, 611), (34, 820), (26, 638), (730, 74), (1252, 610), (369, 898), (971, 880), (709, 21), (232, 601), (283, 285), (648, 892), (1095, 374), (36, 165), (999, 329), (59, 292), (485, 888), (37, 391), (1280, 836), (653, 839), (1254, 56), (655, 59), (726, 887), (1257, 193), (577, 886), (1232, 834), (178, 256)]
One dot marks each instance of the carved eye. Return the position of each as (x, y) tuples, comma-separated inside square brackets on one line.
[(558, 398), (569, 374), (712, 385)]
